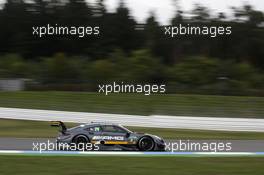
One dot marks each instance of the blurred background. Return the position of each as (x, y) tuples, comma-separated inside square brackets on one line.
[(204, 76), (205, 73), (128, 50)]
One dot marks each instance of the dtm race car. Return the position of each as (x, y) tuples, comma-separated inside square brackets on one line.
[(108, 137)]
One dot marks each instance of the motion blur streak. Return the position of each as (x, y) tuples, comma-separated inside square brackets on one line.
[(182, 122)]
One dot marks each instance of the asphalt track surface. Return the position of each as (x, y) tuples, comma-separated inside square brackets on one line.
[(237, 145), (155, 121)]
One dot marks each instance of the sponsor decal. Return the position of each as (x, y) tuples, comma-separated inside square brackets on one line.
[(119, 138)]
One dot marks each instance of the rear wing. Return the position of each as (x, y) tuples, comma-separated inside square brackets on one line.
[(59, 124)]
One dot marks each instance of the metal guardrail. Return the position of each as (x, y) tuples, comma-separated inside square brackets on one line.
[(156, 121)]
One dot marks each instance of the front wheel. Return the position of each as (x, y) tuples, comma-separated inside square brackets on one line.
[(146, 144)]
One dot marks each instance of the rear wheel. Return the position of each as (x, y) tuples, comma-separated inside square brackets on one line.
[(146, 144), (80, 142)]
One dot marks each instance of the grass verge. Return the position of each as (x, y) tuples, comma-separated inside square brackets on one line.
[(29, 165), (172, 104)]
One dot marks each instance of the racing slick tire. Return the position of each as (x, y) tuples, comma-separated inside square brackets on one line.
[(80, 141), (146, 143)]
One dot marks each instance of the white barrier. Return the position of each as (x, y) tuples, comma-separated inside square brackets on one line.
[(156, 121)]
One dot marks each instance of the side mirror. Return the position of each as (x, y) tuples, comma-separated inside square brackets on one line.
[(127, 134)]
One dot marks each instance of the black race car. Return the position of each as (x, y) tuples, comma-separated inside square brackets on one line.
[(105, 136)]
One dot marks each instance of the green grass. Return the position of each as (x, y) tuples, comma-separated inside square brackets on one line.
[(29, 165), (187, 105), (35, 129)]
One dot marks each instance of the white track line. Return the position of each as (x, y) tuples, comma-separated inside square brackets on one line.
[(112, 153), (156, 121)]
